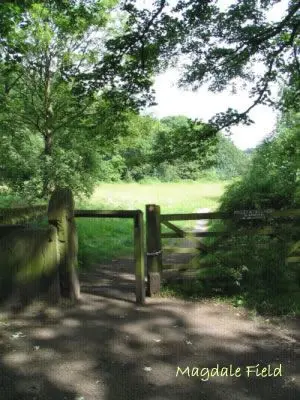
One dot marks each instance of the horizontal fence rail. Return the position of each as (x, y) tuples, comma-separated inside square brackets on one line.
[(237, 215), (267, 230), (106, 213)]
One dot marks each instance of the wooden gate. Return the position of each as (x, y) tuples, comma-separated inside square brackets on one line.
[(154, 235)]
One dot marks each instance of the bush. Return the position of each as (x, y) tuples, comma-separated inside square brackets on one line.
[(254, 266), (231, 162)]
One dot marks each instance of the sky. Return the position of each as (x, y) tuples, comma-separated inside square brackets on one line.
[(203, 104)]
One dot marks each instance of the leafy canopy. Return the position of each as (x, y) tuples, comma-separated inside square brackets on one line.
[(221, 47), (64, 92)]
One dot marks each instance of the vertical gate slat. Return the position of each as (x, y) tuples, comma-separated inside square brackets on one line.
[(154, 255), (139, 257)]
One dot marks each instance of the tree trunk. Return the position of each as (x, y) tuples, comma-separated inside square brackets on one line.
[(48, 184)]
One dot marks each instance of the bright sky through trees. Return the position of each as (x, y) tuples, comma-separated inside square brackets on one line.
[(203, 104)]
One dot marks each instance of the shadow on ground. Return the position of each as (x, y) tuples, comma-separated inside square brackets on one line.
[(108, 348)]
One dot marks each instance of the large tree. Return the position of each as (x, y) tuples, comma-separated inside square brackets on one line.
[(63, 92)]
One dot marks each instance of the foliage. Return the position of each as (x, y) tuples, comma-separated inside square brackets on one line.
[(169, 149), (221, 46), (64, 98), (263, 280), (164, 150), (273, 179), (231, 162), (176, 148), (182, 139)]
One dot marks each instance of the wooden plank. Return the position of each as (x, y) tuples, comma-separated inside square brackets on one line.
[(295, 247), (139, 258), (175, 267), (195, 216), (183, 267), (168, 235), (237, 215), (154, 256), (293, 259), (106, 213), (174, 228), (181, 250), (256, 231), (191, 233), (180, 273), (286, 213)]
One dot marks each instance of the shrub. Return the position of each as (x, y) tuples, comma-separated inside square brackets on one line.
[(254, 266)]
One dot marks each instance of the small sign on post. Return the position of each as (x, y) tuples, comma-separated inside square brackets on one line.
[(252, 214)]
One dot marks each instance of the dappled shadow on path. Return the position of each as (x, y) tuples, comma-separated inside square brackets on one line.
[(105, 348), (114, 280)]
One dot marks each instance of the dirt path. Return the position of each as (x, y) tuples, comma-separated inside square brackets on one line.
[(108, 348)]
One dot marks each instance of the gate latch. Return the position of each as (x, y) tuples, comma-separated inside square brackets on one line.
[(156, 253)]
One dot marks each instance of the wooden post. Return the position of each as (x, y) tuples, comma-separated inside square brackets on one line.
[(139, 257), (154, 255), (61, 215)]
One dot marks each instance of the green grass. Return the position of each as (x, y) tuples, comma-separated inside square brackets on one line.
[(172, 197), (105, 239)]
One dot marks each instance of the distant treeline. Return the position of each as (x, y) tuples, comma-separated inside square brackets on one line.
[(164, 150)]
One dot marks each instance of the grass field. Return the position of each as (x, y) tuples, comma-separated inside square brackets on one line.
[(170, 196), (105, 239)]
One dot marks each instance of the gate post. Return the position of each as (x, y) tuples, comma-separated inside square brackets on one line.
[(139, 257), (154, 256), (61, 215)]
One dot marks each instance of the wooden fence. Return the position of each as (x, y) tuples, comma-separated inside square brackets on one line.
[(14, 221), (154, 235), (39, 261)]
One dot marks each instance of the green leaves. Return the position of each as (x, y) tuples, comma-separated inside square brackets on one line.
[(69, 79), (221, 45), (230, 161), (271, 181), (181, 139)]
